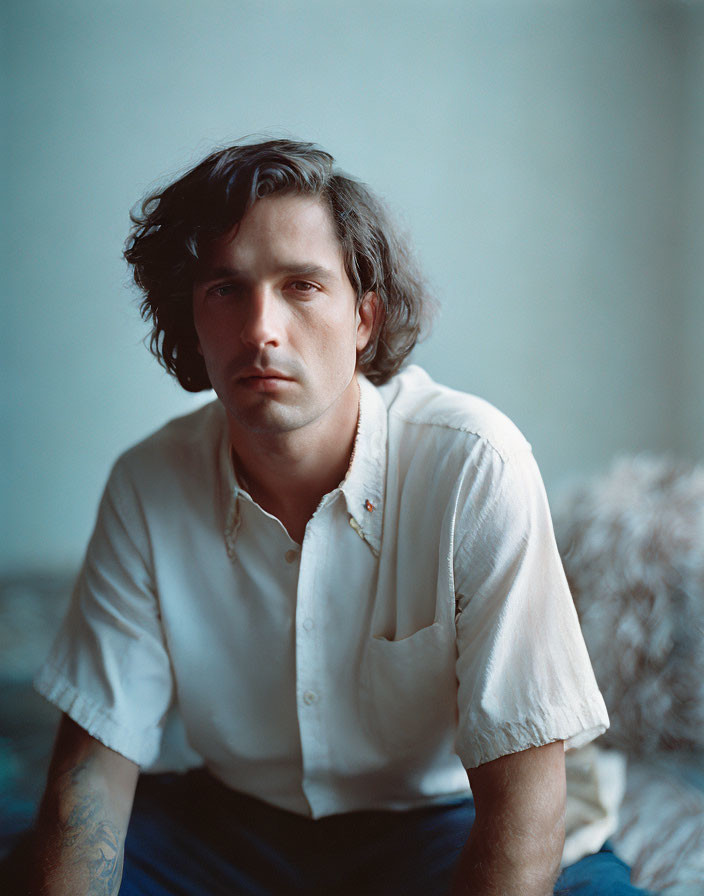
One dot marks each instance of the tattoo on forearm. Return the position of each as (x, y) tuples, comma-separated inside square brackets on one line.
[(95, 843)]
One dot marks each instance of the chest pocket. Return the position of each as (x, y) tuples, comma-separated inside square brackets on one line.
[(409, 692)]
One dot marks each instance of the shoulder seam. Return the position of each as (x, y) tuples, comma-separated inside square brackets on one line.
[(503, 453)]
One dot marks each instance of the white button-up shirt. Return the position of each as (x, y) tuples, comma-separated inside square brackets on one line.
[(423, 626)]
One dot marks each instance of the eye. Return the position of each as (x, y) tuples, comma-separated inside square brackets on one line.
[(302, 286), (221, 290)]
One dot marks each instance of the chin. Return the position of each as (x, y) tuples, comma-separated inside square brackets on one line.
[(267, 420)]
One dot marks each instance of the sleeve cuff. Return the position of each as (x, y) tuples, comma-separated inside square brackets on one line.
[(141, 747), (478, 741)]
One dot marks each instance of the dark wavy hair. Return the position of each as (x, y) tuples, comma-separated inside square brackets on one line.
[(172, 228)]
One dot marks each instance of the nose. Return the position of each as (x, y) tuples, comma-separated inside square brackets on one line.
[(261, 325)]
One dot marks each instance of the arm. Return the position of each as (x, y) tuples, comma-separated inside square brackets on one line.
[(80, 831), (515, 845)]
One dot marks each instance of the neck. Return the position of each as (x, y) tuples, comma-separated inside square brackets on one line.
[(288, 473)]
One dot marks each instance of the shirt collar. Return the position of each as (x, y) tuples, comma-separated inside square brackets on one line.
[(362, 487)]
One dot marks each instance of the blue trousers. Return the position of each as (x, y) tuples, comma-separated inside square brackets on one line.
[(191, 836)]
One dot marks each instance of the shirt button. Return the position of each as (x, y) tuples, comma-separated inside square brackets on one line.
[(308, 624), (291, 556), (310, 697)]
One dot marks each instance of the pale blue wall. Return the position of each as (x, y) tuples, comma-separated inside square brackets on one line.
[(534, 149), (692, 404)]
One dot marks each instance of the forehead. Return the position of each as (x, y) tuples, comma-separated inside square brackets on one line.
[(281, 227)]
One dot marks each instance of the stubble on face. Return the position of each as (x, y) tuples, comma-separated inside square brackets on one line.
[(280, 343)]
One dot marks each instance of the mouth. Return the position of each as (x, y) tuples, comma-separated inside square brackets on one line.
[(262, 380), (257, 373)]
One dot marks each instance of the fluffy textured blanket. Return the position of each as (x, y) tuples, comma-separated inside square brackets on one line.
[(632, 543)]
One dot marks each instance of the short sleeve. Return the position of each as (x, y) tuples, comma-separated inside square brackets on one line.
[(109, 668), (524, 675)]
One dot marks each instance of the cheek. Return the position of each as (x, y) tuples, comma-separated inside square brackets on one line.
[(214, 328), (336, 343), (214, 347), (200, 330)]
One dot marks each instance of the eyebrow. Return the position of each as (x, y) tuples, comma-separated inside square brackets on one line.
[(293, 269)]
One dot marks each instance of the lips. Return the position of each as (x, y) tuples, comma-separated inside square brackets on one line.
[(264, 380), (269, 373)]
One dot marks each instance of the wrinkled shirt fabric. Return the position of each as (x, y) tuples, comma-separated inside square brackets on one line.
[(424, 626)]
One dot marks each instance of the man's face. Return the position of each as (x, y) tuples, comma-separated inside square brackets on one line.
[(276, 319)]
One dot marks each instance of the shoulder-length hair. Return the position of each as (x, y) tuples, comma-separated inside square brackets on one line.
[(173, 227)]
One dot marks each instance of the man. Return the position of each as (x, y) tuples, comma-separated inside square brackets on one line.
[(342, 576)]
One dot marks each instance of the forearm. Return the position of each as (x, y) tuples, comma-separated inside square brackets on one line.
[(516, 841), (80, 832), (506, 862), (79, 838)]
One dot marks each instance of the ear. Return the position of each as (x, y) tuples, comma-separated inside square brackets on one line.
[(367, 314)]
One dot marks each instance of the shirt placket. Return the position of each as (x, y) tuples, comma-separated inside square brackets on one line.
[(312, 694)]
